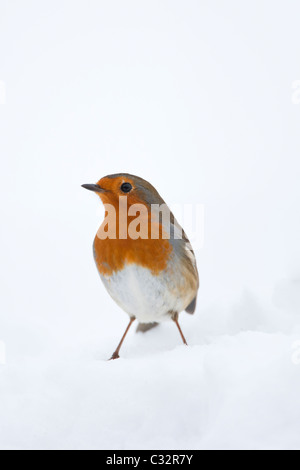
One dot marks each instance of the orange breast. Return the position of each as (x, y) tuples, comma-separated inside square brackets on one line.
[(112, 255)]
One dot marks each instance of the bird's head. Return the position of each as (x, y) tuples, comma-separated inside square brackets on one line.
[(137, 190)]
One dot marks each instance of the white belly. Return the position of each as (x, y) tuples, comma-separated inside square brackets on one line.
[(147, 297)]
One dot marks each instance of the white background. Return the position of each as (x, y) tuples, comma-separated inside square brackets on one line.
[(197, 98)]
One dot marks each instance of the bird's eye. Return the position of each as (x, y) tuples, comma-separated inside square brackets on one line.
[(126, 187)]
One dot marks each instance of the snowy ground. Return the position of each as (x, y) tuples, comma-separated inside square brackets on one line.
[(228, 389)]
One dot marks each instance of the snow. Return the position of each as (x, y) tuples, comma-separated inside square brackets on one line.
[(197, 100), (229, 389)]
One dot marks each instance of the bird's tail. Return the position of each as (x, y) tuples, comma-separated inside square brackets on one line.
[(143, 327)]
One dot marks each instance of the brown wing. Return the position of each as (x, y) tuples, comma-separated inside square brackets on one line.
[(188, 258)]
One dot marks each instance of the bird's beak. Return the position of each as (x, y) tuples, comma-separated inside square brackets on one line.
[(93, 187)]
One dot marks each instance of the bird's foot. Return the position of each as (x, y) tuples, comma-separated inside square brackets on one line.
[(114, 356)]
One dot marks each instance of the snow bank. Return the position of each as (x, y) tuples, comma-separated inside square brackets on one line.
[(230, 390)]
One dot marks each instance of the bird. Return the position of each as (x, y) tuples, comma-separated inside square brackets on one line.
[(143, 256)]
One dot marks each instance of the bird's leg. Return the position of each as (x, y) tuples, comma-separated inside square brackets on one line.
[(116, 353), (175, 319)]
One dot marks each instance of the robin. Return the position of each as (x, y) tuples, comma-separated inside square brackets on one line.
[(145, 261)]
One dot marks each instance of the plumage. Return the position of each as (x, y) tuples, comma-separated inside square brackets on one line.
[(151, 279)]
